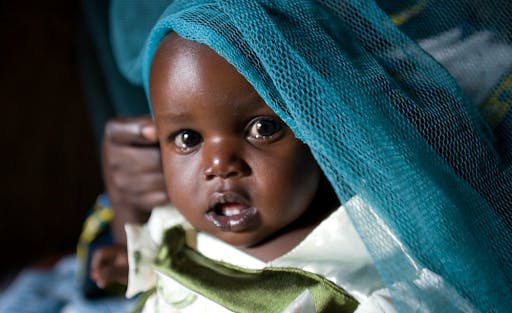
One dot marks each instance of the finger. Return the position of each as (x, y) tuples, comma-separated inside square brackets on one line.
[(115, 272), (109, 264), (132, 158), (131, 131), (100, 259), (101, 256), (144, 203), (136, 184), (149, 132), (120, 274), (112, 273), (151, 200)]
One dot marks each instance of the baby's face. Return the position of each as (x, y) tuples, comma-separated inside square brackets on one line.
[(232, 167)]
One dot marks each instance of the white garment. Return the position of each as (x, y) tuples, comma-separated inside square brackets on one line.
[(459, 54), (332, 250)]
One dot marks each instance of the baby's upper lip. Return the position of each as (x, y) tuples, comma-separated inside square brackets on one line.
[(228, 196)]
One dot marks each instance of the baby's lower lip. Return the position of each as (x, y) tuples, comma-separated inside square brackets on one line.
[(232, 217)]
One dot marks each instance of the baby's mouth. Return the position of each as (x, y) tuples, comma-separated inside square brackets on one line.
[(230, 212), (230, 209)]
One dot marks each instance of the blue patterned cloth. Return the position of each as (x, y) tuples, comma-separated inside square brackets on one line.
[(56, 290)]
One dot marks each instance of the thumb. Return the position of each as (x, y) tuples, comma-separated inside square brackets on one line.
[(148, 131), (131, 131)]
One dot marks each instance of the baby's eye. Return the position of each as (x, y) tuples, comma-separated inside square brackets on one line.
[(264, 128), (186, 139)]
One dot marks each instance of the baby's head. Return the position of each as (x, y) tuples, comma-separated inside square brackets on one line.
[(232, 167)]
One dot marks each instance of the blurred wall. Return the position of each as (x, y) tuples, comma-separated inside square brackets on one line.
[(50, 172)]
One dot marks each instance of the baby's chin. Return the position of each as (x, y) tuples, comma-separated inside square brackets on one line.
[(242, 240), (260, 246)]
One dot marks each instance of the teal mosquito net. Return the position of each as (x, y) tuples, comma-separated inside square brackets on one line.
[(405, 104)]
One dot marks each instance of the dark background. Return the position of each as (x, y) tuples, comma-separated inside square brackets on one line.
[(49, 164)]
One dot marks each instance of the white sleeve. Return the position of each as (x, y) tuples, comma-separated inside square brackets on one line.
[(141, 253), (143, 242)]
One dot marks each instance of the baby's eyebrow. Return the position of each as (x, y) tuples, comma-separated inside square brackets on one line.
[(251, 99), (172, 117)]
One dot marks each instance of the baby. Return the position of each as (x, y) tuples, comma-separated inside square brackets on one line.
[(235, 172), (232, 167)]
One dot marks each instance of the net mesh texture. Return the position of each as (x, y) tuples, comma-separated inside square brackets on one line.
[(405, 104)]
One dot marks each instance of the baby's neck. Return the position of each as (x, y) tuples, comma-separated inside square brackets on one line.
[(289, 237), (279, 245)]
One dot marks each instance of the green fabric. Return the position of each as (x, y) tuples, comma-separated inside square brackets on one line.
[(243, 290), (142, 300)]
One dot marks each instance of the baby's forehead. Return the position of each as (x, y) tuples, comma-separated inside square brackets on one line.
[(184, 71), (178, 49)]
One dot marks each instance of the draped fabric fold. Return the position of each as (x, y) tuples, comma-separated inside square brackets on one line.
[(402, 103)]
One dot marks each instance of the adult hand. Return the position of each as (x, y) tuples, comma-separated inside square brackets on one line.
[(132, 171)]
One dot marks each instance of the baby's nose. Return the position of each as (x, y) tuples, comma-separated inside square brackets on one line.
[(224, 160)]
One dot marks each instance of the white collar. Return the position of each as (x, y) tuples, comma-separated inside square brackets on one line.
[(333, 250)]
